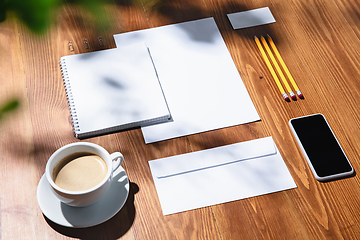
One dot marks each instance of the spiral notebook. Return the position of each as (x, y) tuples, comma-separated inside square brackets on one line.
[(112, 90)]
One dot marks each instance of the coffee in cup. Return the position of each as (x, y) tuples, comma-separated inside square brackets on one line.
[(80, 173)]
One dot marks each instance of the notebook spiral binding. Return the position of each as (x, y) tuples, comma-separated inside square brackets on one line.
[(69, 97)]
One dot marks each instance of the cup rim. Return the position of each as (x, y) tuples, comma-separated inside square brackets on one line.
[(75, 193)]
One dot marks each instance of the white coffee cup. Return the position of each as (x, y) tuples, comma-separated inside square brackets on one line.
[(89, 196)]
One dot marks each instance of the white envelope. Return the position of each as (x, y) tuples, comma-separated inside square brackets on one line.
[(223, 174)]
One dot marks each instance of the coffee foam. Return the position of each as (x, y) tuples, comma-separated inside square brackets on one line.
[(79, 173)]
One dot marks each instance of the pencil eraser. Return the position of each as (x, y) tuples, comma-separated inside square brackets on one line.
[(292, 95), (286, 97), (299, 94)]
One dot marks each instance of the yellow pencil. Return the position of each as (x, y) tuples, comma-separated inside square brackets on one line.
[(277, 67), (272, 44), (268, 64)]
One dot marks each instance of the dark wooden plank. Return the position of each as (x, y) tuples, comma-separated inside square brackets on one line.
[(329, 51), (319, 41), (18, 167), (150, 223), (275, 115)]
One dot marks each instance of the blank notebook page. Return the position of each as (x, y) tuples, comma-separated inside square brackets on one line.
[(113, 89)]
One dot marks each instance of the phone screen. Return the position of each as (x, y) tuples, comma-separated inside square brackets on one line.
[(320, 145)]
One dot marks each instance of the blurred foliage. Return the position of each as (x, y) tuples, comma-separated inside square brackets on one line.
[(8, 107), (39, 15)]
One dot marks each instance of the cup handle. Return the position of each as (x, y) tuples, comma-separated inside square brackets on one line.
[(117, 159)]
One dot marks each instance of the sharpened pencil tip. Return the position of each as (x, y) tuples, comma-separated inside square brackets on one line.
[(268, 36), (255, 37)]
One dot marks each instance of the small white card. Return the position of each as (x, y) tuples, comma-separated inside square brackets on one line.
[(218, 175), (251, 18)]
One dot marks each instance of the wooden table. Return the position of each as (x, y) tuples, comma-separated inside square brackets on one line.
[(319, 41)]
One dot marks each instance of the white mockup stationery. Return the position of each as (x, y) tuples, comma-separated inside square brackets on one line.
[(218, 175), (251, 18), (201, 83), (112, 90)]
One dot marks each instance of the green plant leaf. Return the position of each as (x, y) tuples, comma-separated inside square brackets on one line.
[(9, 106), (3, 8), (38, 15)]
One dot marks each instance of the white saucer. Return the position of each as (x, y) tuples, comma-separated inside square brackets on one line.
[(80, 217)]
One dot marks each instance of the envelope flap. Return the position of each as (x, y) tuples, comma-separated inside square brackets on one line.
[(195, 161)]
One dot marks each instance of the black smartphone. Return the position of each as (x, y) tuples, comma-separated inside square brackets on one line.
[(322, 150)]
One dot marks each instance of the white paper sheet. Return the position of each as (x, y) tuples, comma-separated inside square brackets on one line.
[(201, 84), (228, 173), (251, 18)]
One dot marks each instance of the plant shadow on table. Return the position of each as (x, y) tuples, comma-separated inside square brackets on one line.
[(190, 10), (113, 228)]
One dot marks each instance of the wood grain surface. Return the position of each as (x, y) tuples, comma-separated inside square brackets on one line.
[(318, 40)]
